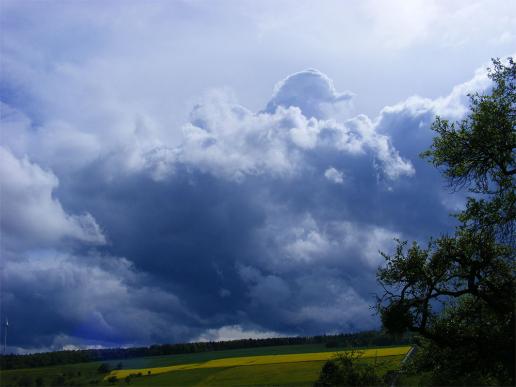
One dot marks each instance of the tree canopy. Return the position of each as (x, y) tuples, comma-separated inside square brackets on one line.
[(458, 292)]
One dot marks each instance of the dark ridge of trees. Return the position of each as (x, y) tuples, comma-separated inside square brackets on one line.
[(361, 339)]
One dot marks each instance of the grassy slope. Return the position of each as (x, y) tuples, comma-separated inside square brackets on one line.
[(298, 374), (160, 361), (81, 373), (256, 360), (285, 374), (305, 372), (88, 371)]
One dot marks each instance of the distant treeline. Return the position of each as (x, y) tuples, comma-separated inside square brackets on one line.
[(362, 339)]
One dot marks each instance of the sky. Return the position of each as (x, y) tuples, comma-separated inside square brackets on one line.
[(176, 171)]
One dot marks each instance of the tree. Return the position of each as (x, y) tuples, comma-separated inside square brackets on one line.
[(458, 293), (58, 381), (345, 370), (25, 381), (104, 368)]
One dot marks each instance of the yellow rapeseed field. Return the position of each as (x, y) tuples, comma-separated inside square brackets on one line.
[(258, 360)]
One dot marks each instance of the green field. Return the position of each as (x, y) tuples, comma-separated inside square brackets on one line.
[(296, 373), (283, 374)]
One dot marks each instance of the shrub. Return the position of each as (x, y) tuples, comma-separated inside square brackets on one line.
[(59, 380), (25, 381), (104, 368), (343, 370)]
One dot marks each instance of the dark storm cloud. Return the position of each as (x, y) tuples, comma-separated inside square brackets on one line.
[(264, 222), (89, 299)]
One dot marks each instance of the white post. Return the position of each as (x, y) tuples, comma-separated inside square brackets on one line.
[(5, 336)]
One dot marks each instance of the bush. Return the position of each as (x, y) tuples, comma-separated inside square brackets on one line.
[(25, 381), (444, 365), (104, 368), (343, 370), (58, 381), (112, 379)]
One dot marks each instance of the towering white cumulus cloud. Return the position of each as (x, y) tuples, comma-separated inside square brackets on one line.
[(226, 139), (310, 90)]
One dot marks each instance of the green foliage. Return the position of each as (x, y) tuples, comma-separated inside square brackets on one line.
[(344, 370), (58, 381), (459, 292), (104, 368), (25, 381), (479, 153)]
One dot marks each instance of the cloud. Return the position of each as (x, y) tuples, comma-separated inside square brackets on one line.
[(55, 300), (234, 214), (334, 175), (30, 215), (238, 222), (228, 140), (346, 308), (316, 239), (234, 332), (310, 90), (399, 26)]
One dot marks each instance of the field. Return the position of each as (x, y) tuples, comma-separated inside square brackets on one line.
[(297, 365), (257, 360), (284, 374)]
